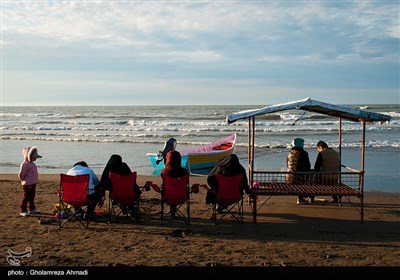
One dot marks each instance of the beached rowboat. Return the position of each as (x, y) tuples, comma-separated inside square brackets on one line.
[(202, 157)]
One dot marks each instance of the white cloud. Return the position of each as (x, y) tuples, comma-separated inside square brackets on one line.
[(394, 31), (114, 43)]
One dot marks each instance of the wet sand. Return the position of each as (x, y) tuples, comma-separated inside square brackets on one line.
[(285, 235)]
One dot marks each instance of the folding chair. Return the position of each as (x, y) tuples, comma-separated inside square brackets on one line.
[(122, 198), (73, 191), (229, 198), (175, 192)]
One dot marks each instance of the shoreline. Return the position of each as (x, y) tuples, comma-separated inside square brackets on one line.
[(285, 235)]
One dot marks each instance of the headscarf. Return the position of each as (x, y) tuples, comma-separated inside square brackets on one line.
[(114, 164), (170, 145), (228, 166), (114, 160), (173, 166)]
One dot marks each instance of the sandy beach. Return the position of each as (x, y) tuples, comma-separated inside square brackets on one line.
[(286, 234)]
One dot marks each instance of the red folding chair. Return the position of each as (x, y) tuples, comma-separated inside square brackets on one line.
[(123, 198), (229, 198), (73, 191), (175, 192)]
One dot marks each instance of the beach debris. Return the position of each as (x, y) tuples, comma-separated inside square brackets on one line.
[(212, 264), (330, 256), (181, 232), (45, 221)]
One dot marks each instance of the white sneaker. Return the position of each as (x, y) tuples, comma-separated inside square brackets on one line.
[(301, 201), (24, 214), (34, 211)]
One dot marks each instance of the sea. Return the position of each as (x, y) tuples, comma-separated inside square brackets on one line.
[(65, 135)]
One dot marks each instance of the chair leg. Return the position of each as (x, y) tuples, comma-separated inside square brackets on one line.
[(241, 212), (234, 211), (136, 214), (109, 210), (70, 216), (59, 213), (214, 213), (162, 210), (188, 212)]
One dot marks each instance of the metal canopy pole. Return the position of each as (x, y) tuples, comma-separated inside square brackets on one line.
[(249, 150), (249, 157), (340, 143), (253, 148), (363, 147), (363, 171), (252, 132)]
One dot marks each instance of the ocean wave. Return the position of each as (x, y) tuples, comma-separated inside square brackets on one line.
[(190, 124), (392, 114), (161, 138), (193, 129)]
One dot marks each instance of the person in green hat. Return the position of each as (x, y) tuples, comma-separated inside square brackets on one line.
[(297, 161)]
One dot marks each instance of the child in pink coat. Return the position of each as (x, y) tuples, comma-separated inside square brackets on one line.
[(29, 176)]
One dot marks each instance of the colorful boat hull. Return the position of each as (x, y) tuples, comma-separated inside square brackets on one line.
[(202, 157), (153, 158)]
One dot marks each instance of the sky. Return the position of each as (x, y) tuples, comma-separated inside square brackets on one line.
[(199, 52)]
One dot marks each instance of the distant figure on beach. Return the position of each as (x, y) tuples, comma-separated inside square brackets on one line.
[(29, 176), (81, 168), (116, 165), (170, 145), (328, 160), (173, 169), (298, 161), (228, 166)]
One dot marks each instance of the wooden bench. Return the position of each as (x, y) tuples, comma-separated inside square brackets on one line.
[(306, 184)]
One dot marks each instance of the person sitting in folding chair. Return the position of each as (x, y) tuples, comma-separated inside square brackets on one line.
[(227, 183), (228, 166), (173, 169), (170, 145), (80, 168), (116, 165)]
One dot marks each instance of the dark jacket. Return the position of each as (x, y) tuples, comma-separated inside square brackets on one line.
[(114, 164), (297, 161), (173, 166), (328, 160)]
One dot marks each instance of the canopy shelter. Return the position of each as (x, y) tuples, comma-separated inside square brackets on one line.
[(316, 106), (311, 105)]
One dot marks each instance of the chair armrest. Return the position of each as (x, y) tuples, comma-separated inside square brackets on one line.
[(194, 188), (147, 185), (156, 188), (206, 187)]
